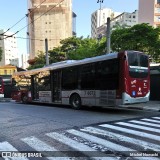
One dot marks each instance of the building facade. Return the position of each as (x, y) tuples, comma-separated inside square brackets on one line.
[(99, 18), (125, 19), (149, 12), (8, 44), (122, 20), (25, 58), (52, 19)]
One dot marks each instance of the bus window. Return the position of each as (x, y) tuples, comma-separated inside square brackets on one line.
[(88, 76), (70, 78), (138, 65)]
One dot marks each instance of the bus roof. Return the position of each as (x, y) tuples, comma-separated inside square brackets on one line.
[(67, 63)]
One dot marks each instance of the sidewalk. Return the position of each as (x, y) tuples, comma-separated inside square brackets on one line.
[(150, 106), (5, 99)]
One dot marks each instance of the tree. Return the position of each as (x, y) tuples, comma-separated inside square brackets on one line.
[(142, 37), (39, 61), (1, 51), (74, 48)]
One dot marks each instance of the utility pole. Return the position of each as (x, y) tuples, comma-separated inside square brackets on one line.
[(46, 48), (108, 35)]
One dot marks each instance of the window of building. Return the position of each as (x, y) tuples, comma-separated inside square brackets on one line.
[(5, 71)]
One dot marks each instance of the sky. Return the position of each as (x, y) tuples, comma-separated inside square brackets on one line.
[(15, 10)]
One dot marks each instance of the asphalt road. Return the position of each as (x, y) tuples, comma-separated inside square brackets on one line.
[(18, 121)]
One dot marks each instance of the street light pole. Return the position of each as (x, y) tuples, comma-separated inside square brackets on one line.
[(108, 35), (100, 1), (46, 48)]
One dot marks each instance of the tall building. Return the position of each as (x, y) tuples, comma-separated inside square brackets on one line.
[(51, 19), (149, 12), (99, 18), (125, 19), (25, 58), (8, 43)]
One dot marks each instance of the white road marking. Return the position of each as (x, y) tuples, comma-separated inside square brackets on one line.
[(156, 117), (7, 147), (39, 145), (145, 123), (101, 141), (112, 146), (139, 127), (115, 136), (133, 132), (76, 145), (150, 120)]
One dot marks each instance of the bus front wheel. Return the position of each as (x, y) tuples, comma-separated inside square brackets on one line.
[(75, 101)]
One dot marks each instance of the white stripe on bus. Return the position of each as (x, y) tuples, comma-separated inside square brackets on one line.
[(39, 145), (150, 120), (145, 123), (76, 145), (7, 147), (139, 127), (133, 132), (115, 136)]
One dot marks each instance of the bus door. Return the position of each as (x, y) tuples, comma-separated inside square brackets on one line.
[(57, 86)]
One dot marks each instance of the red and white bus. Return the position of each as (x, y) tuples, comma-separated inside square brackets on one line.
[(114, 79), (1, 87)]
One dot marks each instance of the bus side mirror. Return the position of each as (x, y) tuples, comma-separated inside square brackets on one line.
[(124, 57)]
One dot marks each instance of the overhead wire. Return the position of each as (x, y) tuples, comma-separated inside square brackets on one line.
[(35, 19), (41, 15), (20, 21)]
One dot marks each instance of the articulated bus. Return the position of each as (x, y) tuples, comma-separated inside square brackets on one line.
[(115, 79), (1, 87)]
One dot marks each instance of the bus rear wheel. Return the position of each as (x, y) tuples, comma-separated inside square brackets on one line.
[(24, 98), (75, 101)]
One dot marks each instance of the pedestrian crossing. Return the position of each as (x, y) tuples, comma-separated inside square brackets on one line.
[(131, 139)]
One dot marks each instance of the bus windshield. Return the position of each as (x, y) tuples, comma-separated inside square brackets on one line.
[(138, 64)]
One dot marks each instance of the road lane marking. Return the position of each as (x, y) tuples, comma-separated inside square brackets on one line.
[(145, 123), (77, 145), (101, 141), (156, 117), (138, 127), (133, 132), (150, 120), (39, 145), (119, 137), (7, 147)]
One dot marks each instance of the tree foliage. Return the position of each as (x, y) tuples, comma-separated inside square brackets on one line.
[(39, 61), (141, 37)]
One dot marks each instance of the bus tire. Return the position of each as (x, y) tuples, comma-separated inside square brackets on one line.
[(24, 98), (75, 101)]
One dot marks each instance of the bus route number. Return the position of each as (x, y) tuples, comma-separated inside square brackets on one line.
[(90, 93)]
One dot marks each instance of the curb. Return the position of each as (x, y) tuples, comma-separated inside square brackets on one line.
[(151, 109), (5, 99)]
